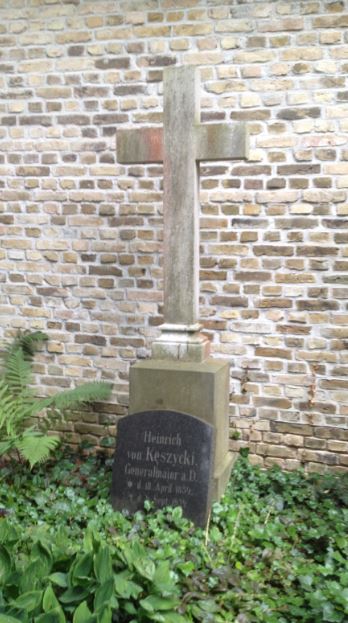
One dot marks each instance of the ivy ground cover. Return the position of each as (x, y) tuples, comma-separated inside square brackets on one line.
[(276, 550)]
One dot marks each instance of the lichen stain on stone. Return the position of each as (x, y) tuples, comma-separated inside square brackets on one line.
[(213, 136)]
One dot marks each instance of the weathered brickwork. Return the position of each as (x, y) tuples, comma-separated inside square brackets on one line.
[(81, 236)]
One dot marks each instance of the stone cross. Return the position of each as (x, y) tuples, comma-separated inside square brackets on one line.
[(181, 145)]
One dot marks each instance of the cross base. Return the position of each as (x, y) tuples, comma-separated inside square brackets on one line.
[(181, 342)]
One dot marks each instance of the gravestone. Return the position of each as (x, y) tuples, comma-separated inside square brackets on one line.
[(167, 457), (180, 380)]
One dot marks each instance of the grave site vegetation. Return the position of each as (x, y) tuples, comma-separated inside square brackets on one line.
[(275, 551)]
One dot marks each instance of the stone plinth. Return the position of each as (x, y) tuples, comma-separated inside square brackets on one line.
[(199, 389), (181, 342)]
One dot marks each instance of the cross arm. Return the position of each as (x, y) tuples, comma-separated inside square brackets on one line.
[(140, 146), (222, 141)]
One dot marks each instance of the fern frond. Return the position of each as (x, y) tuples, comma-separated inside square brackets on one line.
[(69, 398), (5, 400), (6, 446), (35, 447), (14, 410), (17, 371), (27, 342)]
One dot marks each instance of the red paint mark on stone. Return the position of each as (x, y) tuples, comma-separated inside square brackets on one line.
[(153, 138)]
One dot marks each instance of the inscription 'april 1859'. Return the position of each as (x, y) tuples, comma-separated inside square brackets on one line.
[(163, 456)]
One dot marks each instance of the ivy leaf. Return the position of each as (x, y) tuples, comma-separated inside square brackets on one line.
[(306, 581), (145, 567), (208, 605), (162, 579), (331, 614)]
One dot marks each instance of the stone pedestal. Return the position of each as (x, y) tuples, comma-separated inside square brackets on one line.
[(199, 389)]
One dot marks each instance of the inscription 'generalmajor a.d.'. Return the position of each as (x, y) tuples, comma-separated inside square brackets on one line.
[(166, 457)]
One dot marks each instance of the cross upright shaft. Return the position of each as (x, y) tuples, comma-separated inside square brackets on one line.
[(181, 144), (181, 206)]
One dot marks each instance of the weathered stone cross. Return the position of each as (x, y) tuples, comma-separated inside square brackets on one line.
[(180, 145)]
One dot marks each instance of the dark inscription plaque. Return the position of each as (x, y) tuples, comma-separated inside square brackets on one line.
[(165, 457)]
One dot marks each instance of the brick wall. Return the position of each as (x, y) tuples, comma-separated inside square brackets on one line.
[(80, 246)]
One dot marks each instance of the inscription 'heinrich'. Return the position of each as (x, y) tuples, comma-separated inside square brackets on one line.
[(163, 440)]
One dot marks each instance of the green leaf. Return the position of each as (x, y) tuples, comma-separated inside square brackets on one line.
[(104, 593), (91, 541), (124, 587), (105, 615), (130, 608), (5, 564), (208, 605), (29, 601), (306, 581), (54, 616), (31, 576), (82, 613), (50, 601), (172, 617), (5, 618), (81, 569), (330, 614), (186, 567), (145, 567), (8, 533), (75, 594), (153, 603), (162, 579), (42, 554), (177, 513), (103, 564), (58, 578)]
